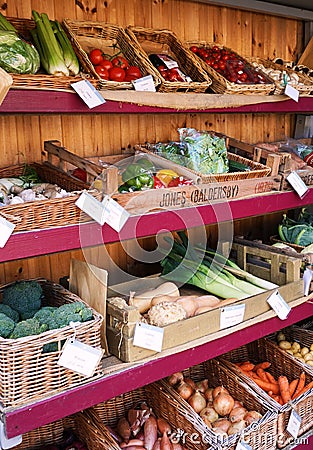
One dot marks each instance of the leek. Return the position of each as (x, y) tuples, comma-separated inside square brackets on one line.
[(69, 55), (5, 25)]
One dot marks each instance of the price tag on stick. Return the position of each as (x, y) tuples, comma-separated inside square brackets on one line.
[(294, 424), (231, 315), (80, 357), (6, 229), (278, 304), (148, 336)]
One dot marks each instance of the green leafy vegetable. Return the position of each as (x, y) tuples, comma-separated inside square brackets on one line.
[(17, 55), (297, 231)]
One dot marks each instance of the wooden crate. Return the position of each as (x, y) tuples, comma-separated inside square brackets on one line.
[(121, 320)]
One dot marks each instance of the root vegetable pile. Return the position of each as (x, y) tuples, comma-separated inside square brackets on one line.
[(219, 410), (302, 352)]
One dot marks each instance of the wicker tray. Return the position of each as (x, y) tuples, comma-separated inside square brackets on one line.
[(257, 170), (254, 434), (42, 80), (304, 85), (164, 41), (51, 212), (285, 364), (26, 373), (162, 404), (220, 84), (86, 35)]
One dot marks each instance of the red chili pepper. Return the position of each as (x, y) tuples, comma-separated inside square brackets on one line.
[(179, 181), (157, 183)]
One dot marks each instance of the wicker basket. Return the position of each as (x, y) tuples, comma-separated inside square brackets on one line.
[(42, 80), (26, 372), (304, 85), (220, 84), (110, 39), (282, 364), (6, 82), (164, 41), (260, 435), (162, 404), (257, 170), (82, 424), (55, 212)]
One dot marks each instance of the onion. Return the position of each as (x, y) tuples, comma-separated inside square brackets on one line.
[(236, 427), (252, 416), (223, 404), (237, 403), (209, 414), (237, 413), (163, 426), (184, 390), (197, 401), (221, 426), (191, 383), (188, 305), (202, 385), (218, 390), (175, 378), (209, 394)]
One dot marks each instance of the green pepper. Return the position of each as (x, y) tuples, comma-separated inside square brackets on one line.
[(145, 163), (132, 171)]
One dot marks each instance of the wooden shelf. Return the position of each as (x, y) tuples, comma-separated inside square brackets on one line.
[(30, 416), (52, 240), (42, 101)]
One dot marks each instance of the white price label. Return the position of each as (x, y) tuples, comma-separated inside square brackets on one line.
[(307, 278), (115, 215), (6, 229), (294, 423), (292, 92), (80, 357), (297, 183), (144, 84), (231, 315), (91, 206), (5, 442), (148, 336), (242, 445), (88, 93), (278, 304)]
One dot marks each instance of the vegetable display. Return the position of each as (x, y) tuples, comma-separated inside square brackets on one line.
[(16, 54), (302, 352), (219, 410), (168, 68), (297, 231)]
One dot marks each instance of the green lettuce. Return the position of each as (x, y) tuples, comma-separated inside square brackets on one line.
[(17, 55)]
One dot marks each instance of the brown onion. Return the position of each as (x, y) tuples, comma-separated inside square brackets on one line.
[(175, 378), (209, 414), (237, 413), (202, 385), (237, 403), (252, 416), (197, 401), (219, 390), (223, 404), (191, 383), (184, 390), (236, 427), (163, 426), (221, 425), (209, 394)]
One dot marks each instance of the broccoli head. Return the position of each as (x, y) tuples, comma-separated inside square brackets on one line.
[(24, 297), (77, 308), (62, 318), (8, 311), (45, 316), (28, 327), (6, 325)]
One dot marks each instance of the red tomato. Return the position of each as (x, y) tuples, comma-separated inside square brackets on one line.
[(106, 63), (132, 73), (194, 49), (81, 174), (120, 61), (102, 72), (96, 56), (117, 74)]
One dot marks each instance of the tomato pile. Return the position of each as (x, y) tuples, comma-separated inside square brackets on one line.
[(115, 68), (168, 68), (230, 65)]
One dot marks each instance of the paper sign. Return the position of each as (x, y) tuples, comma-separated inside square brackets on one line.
[(307, 278), (6, 229), (294, 424), (114, 214), (88, 93), (292, 92), (278, 304), (148, 336), (297, 183), (91, 206), (144, 84), (80, 357), (5, 442), (231, 315), (243, 446)]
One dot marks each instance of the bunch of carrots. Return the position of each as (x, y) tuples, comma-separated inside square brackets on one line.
[(280, 389)]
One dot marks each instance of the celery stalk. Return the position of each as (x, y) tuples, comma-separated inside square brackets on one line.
[(5, 24), (69, 55)]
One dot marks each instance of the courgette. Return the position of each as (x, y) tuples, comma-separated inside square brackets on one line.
[(236, 166)]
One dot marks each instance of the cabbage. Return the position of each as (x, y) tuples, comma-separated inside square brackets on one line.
[(17, 55)]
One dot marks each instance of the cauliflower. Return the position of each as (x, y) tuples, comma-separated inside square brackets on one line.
[(165, 313), (24, 297), (6, 325)]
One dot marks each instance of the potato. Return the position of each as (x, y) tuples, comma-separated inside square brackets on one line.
[(289, 351), (304, 351), (309, 363), (311, 348), (281, 336), (298, 355), (285, 345), (308, 357), (295, 347)]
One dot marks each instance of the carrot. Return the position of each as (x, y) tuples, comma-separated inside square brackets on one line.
[(266, 386), (262, 365), (278, 399), (271, 378), (246, 366), (306, 388), (283, 384), (293, 385), (300, 385), (262, 374)]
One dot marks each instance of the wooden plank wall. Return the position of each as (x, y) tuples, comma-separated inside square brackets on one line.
[(247, 33)]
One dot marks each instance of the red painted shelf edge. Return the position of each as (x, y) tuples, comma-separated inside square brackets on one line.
[(26, 418)]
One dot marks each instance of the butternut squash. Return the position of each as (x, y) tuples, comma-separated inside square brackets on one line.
[(143, 300)]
